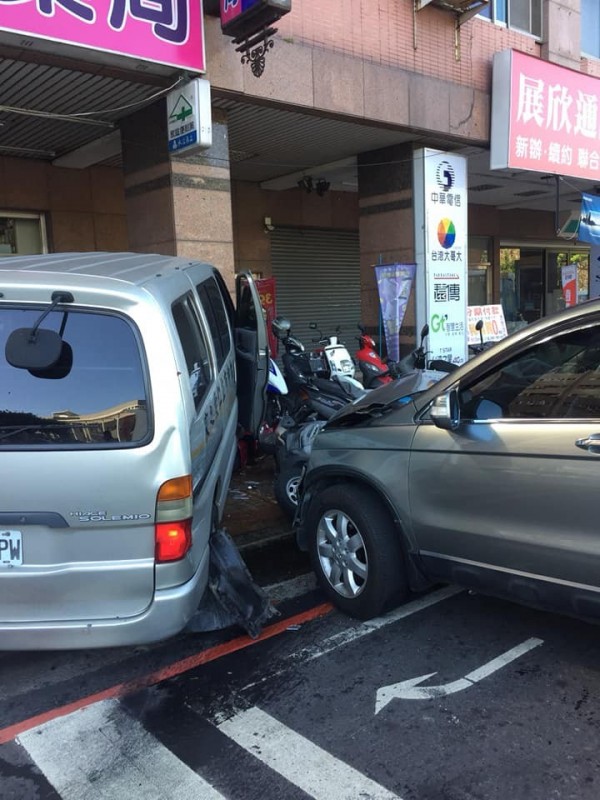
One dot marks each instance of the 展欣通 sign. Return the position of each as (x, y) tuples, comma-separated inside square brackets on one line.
[(544, 117)]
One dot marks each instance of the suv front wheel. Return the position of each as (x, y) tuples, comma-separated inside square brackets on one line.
[(355, 551)]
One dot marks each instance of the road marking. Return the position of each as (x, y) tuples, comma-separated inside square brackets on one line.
[(350, 635), (408, 690), (8, 733), (306, 765), (101, 753)]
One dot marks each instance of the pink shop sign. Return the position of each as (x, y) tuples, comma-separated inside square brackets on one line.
[(545, 118), (162, 31)]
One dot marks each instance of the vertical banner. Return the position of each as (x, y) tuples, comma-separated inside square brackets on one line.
[(568, 278), (266, 290), (594, 271), (394, 282), (443, 193)]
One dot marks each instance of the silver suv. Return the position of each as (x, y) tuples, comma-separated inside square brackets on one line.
[(488, 479)]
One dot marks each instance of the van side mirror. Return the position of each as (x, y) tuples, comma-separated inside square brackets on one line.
[(40, 349), (29, 349), (445, 412)]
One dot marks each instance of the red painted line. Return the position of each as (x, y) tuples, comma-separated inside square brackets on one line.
[(203, 657)]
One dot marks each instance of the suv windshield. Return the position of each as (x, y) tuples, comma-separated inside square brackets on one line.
[(100, 401)]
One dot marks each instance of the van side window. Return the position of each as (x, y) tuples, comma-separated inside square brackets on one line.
[(214, 308), (194, 347)]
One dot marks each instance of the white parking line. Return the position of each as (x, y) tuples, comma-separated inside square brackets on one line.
[(101, 753), (349, 635), (312, 769)]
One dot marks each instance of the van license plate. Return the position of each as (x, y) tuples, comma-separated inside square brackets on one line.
[(11, 548)]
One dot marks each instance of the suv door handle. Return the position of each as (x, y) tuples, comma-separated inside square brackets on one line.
[(591, 443)]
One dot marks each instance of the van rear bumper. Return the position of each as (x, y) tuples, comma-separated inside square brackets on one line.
[(167, 615)]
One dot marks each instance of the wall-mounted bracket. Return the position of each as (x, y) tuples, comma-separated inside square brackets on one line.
[(463, 10), (254, 49)]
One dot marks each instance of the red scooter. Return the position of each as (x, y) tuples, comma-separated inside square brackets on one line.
[(375, 372)]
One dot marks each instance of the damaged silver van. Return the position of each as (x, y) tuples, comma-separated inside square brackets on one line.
[(124, 381)]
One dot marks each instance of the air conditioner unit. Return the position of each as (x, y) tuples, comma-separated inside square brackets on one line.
[(464, 9)]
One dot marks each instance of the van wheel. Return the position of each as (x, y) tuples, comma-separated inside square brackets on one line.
[(285, 487), (355, 551)]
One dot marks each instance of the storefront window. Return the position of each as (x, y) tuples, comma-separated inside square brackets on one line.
[(525, 15), (21, 234), (521, 284), (480, 271), (531, 282), (557, 259)]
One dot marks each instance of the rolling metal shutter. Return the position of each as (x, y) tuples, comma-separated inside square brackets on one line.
[(317, 276)]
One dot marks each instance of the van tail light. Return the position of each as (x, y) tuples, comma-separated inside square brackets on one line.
[(173, 540), (173, 527)]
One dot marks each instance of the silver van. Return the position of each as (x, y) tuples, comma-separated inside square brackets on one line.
[(124, 382)]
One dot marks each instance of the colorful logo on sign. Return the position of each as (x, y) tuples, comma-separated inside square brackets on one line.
[(446, 233)]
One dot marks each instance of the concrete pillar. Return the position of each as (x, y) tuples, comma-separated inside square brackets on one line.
[(561, 32), (386, 227), (177, 204)]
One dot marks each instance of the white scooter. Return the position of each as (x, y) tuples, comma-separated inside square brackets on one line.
[(339, 362)]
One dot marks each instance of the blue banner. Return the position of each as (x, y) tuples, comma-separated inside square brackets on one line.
[(394, 283), (589, 226)]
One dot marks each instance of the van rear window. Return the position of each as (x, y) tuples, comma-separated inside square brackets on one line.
[(99, 399)]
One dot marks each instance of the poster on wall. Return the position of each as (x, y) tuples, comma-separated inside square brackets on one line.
[(394, 284), (568, 279), (445, 253), (494, 324)]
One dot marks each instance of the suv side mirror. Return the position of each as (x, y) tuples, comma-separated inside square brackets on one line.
[(445, 411)]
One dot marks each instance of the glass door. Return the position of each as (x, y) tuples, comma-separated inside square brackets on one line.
[(521, 285), (555, 260)]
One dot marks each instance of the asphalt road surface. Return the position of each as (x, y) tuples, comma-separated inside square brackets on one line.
[(454, 696)]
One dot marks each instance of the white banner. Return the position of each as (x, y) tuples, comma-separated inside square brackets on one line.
[(494, 324), (446, 252)]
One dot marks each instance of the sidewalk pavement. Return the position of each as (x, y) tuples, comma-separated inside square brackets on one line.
[(252, 515)]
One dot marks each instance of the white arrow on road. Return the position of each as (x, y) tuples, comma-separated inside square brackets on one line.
[(409, 689)]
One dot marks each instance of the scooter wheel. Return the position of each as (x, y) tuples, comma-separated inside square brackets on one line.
[(285, 487)]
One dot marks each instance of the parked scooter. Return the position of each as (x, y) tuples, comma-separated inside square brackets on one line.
[(310, 392), (374, 370), (431, 371), (339, 363), (475, 349), (292, 452)]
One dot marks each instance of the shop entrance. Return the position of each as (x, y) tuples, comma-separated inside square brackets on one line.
[(22, 234), (530, 281)]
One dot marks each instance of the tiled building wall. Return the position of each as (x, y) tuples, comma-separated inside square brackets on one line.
[(84, 209), (386, 32)]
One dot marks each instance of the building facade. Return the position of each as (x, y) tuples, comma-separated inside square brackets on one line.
[(311, 174)]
